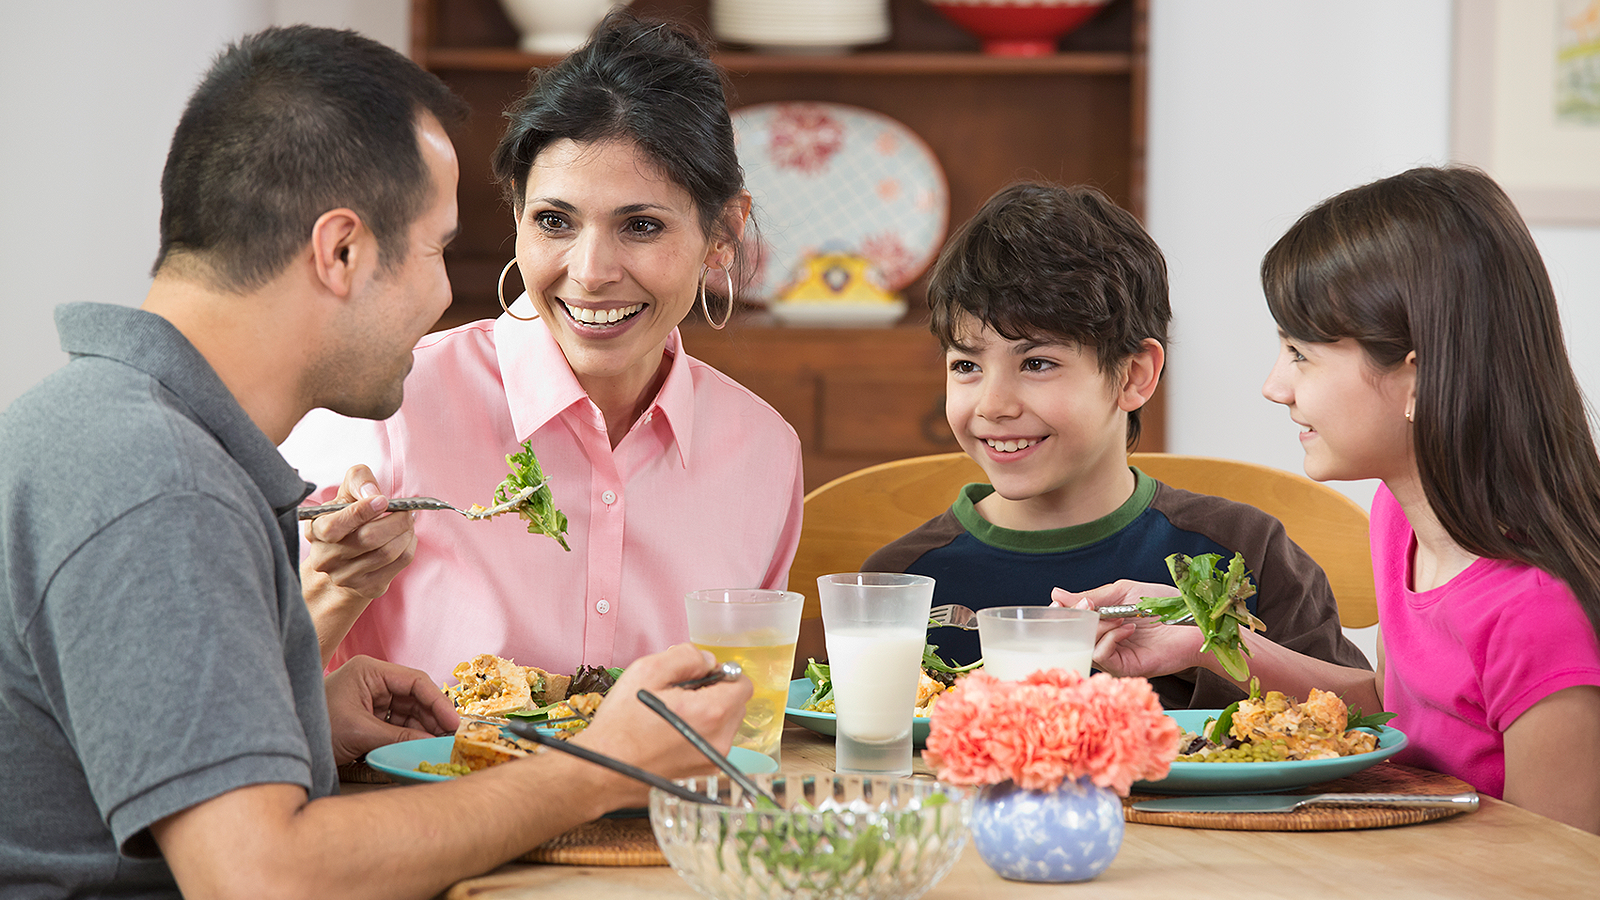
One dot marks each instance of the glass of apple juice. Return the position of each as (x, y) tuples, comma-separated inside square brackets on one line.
[(756, 628)]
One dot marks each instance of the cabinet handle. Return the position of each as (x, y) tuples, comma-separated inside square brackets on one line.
[(935, 428)]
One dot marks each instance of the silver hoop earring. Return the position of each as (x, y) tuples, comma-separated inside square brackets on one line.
[(500, 292), (705, 307)]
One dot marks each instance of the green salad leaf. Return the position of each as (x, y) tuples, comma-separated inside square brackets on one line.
[(1216, 598), (937, 668), (1357, 720), (821, 683), (540, 509)]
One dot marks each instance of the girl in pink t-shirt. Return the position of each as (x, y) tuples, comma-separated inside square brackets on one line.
[(1421, 346)]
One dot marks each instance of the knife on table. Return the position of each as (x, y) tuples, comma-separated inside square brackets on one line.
[(1466, 802)]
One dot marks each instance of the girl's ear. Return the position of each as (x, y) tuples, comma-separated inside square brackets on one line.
[(1408, 371), (1140, 375)]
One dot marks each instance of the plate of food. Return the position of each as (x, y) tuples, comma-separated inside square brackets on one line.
[(1268, 775), (403, 761), (837, 178), (801, 689)]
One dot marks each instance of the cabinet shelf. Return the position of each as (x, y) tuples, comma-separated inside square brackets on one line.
[(507, 59)]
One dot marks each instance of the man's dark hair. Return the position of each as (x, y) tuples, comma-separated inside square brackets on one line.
[(288, 124), (1046, 262)]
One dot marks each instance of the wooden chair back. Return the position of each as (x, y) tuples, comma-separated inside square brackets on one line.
[(850, 517)]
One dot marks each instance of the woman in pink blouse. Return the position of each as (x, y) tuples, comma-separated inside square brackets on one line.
[(620, 167)]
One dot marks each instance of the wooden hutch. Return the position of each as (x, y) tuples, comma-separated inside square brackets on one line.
[(856, 396)]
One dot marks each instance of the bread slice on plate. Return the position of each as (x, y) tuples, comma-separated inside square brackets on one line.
[(490, 685), (479, 745)]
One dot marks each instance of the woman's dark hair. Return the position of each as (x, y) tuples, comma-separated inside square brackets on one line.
[(649, 83), (1041, 261), (287, 124), (1437, 261)]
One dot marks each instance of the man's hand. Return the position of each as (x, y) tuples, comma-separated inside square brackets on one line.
[(626, 729), (1136, 645), (353, 555), (373, 703)]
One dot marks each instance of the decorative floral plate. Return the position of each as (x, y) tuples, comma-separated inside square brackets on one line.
[(836, 178)]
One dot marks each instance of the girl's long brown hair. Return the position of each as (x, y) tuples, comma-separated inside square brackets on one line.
[(1437, 260)]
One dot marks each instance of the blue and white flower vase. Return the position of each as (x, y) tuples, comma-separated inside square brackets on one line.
[(1069, 834)]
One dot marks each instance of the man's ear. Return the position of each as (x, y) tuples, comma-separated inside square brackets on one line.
[(1140, 375), (340, 245)]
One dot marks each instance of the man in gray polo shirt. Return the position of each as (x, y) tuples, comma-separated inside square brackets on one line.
[(163, 717)]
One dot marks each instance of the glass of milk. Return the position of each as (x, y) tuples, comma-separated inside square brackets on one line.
[(875, 624), (1020, 640)]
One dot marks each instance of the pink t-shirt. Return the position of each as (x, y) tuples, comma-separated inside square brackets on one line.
[(1464, 660), (704, 492)]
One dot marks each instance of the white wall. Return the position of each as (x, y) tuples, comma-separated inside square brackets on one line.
[(89, 94), (1258, 110)]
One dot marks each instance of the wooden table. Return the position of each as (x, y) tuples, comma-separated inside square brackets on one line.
[(1499, 851)]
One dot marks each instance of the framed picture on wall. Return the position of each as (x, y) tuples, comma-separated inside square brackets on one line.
[(1527, 103)]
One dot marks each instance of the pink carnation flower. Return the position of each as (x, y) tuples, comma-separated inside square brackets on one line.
[(1053, 726)]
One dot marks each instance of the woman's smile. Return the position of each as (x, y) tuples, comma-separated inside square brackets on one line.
[(600, 318)]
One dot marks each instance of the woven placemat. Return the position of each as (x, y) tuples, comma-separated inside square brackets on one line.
[(1383, 778), (603, 842), (359, 772)]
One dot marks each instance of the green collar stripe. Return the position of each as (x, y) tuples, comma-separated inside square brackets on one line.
[(1050, 540)]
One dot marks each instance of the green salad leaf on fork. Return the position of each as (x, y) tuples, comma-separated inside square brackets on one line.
[(1216, 599), (540, 509)]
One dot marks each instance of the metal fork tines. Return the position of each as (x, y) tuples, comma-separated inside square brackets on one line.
[(404, 504), (954, 616), (1131, 611)]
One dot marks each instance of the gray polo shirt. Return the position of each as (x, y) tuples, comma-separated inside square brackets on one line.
[(155, 650)]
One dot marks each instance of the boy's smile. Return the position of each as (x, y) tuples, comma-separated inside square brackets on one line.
[(1044, 422)]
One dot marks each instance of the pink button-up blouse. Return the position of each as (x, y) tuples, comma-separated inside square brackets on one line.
[(704, 492)]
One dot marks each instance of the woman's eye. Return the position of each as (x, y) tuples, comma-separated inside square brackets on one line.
[(642, 227), (550, 221)]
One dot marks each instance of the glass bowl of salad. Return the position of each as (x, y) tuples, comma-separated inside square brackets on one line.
[(830, 836)]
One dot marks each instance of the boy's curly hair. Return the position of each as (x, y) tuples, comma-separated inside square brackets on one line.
[(1044, 261)]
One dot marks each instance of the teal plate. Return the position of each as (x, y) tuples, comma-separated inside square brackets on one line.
[(400, 761), (1261, 777), (825, 723)]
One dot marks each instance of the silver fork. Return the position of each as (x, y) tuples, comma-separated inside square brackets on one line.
[(402, 504), (954, 616), (957, 616), (1132, 611)]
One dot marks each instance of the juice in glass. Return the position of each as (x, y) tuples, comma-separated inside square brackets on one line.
[(769, 665), (757, 629)]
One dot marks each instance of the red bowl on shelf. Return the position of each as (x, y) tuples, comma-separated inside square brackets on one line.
[(1019, 27)]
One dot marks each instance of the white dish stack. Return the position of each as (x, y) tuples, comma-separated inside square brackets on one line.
[(793, 26)]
